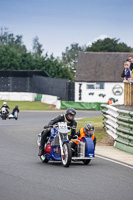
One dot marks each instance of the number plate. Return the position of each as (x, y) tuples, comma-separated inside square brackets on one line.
[(62, 125)]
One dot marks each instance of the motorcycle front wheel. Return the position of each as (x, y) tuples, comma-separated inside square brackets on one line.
[(66, 158)]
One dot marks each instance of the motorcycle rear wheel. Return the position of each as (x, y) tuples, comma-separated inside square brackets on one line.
[(66, 158), (86, 162)]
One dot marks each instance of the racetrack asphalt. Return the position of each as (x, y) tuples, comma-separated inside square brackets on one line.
[(24, 177)]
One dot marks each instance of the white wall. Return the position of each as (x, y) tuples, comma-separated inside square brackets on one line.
[(51, 100), (24, 96), (108, 87), (17, 96)]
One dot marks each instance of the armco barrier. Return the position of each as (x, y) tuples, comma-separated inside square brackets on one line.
[(119, 124)]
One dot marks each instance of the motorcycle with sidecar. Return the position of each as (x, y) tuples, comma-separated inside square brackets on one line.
[(58, 147)]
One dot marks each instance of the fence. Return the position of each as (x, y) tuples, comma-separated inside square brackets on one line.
[(119, 124), (36, 82), (128, 93)]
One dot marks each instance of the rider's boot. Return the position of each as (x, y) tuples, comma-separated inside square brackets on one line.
[(43, 141)]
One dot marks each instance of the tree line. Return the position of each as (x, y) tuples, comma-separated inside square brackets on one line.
[(15, 56)]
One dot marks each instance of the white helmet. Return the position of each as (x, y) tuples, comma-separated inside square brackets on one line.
[(4, 103)]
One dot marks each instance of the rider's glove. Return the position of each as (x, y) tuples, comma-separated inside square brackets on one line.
[(46, 126), (74, 137)]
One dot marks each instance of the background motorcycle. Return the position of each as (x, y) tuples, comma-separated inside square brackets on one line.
[(4, 113), (57, 147)]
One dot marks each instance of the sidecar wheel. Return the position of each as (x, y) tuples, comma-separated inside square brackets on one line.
[(44, 159), (86, 162), (66, 158)]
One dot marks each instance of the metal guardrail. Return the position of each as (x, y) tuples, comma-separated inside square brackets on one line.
[(119, 125)]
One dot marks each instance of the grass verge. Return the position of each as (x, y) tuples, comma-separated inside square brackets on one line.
[(27, 105)]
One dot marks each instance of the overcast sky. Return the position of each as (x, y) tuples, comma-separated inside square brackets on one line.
[(59, 23)]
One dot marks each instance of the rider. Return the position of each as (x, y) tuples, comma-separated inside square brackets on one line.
[(6, 107), (67, 117), (14, 110), (86, 131)]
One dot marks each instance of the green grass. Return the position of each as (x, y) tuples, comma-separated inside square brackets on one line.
[(97, 122), (26, 105)]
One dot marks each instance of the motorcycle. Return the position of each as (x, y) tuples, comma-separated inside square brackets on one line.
[(4, 113), (84, 150), (57, 147)]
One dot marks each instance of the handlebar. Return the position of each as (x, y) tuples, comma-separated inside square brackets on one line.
[(56, 125)]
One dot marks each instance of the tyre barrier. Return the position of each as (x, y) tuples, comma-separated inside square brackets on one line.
[(119, 125)]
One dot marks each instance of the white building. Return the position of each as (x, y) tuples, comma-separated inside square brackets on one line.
[(98, 77)]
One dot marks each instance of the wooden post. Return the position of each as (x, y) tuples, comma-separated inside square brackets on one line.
[(128, 93)]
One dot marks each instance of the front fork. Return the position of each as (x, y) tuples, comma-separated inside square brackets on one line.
[(61, 148)]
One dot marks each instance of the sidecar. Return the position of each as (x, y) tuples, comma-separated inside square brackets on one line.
[(15, 116), (84, 151)]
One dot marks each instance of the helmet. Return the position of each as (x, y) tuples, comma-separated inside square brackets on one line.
[(70, 114), (16, 106), (4, 103), (89, 130)]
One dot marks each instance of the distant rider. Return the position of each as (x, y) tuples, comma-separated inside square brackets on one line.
[(67, 117), (86, 131), (6, 107), (15, 110)]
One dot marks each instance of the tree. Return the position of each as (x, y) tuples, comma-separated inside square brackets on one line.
[(109, 45), (57, 69), (37, 48), (9, 58), (11, 40), (14, 56), (69, 57)]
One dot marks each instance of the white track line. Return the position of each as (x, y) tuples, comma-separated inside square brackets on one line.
[(117, 162)]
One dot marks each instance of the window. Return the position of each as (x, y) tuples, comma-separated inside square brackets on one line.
[(97, 85)]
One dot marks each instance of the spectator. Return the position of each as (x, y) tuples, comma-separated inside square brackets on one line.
[(129, 58), (131, 64), (126, 74)]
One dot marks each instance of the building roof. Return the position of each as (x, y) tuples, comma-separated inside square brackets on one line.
[(100, 66)]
